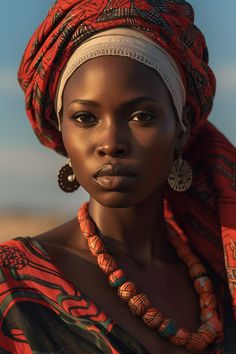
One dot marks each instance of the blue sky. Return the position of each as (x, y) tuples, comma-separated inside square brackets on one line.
[(28, 174)]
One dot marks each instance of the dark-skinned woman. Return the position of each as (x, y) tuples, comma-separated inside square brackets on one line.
[(123, 90)]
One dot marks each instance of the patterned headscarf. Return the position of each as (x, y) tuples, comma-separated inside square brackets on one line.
[(69, 23), (208, 208)]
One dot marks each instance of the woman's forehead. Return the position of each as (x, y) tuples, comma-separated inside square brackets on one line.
[(110, 73)]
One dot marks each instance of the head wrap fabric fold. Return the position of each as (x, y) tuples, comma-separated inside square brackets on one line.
[(208, 208)]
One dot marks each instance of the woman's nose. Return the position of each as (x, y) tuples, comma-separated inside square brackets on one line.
[(118, 150), (113, 142)]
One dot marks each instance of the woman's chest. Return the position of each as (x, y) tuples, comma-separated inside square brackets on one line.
[(171, 292)]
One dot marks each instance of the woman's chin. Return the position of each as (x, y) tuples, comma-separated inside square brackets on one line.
[(114, 199)]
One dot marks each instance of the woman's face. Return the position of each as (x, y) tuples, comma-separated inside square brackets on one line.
[(118, 114)]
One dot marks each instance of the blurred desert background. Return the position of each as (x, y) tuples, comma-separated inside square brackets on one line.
[(14, 225), (30, 200)]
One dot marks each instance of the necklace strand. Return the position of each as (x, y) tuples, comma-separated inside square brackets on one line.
[(139, 304)]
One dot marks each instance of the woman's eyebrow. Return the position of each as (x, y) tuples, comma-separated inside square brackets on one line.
[(130, 102), (140, 99), (84, 102)]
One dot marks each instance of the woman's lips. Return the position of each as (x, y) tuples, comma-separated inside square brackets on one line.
[(115, 176), (115, 182)]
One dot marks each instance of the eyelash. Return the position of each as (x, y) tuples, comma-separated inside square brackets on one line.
[(151, 116), (78, 116)]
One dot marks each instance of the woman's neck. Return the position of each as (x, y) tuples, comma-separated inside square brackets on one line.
[(138, 232)]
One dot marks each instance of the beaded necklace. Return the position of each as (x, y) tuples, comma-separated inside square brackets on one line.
[(139, 304)]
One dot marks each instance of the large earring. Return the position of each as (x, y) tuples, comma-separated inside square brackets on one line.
[(66, 178), (181, 176)]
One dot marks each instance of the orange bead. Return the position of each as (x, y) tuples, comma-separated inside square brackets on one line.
[(207, 332), (197, 270), (208, 300), (87, 227), (83, 212), (207, 313), (127, 290), (203, 285), (117, 278), (216, 324), (107, 263), (152, 317), (96, 245), (167, 328), (195, 343), (183, 251), (138, 304), (180, 338), (191, 260)]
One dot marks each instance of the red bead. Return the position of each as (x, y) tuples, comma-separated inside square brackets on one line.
[(138, 304), (207, 332), (167, 328), (216, 324), (117, 278), (83, 212), (208, 300), (180, 338), (207, 314), (127, 290), (96, 245), (87, 227), (203, 285), (191, 260), (152, 317), (107, 263), (197, 270), (195, 343)]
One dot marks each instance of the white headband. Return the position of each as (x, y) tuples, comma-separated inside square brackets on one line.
[(127, 43)]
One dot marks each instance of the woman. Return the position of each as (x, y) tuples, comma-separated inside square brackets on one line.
[(123, 89)]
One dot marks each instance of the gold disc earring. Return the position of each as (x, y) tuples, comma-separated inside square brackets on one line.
[(66, 178), (181, 176)]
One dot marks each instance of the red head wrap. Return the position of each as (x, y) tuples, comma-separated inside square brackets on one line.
[(69, 23), (208, 209)]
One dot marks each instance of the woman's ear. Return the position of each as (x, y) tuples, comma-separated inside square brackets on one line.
[(183, 135)]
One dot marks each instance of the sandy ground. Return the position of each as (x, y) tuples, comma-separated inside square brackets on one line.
[(13, 225)]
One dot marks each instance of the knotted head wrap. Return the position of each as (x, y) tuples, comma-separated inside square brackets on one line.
[(208, 209)]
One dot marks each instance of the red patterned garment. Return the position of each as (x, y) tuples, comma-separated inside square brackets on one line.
[(208, 208), (42, 312)]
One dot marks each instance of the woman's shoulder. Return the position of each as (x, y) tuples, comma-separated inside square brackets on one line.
[(21, 257), (25, 264), (60, 235), (14, 261), (17, 256), (31, 257)]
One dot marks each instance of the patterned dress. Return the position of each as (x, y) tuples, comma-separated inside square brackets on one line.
[(42, 312)]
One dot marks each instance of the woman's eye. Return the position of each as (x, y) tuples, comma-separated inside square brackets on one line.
[(84, 118), (142, 117)]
